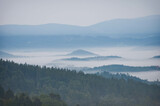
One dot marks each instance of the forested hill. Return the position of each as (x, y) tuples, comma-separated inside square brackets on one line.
[(77, 87), (8, 98), (123, 68)]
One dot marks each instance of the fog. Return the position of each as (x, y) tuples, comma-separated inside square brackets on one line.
[(146, 75), (131, 56)]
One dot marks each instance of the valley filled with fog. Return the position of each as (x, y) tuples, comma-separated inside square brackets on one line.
[(129, 42), (129, 56)]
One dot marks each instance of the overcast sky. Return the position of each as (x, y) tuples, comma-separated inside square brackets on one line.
[(74, 12)]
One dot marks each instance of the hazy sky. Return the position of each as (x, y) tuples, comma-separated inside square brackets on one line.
[(74, 12)]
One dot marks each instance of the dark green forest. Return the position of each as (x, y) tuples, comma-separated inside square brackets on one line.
[(109, 75), (123, 68), (8, 98), (74, 88)]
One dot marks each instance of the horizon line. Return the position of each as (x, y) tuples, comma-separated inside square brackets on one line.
[(82, 25)]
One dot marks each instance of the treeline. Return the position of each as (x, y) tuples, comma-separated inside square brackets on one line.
[(8, 98), (77, 88), (123, 68), (109, 75)]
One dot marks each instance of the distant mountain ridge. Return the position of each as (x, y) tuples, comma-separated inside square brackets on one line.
[(72, 41), (81, 52), (134, 27), (137, 27), (96, 58), (143, 31), (8, 55), (5, 54), (123, 68)]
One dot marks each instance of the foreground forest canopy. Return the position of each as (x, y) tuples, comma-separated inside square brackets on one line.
[(8, 98), (76, 88)]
